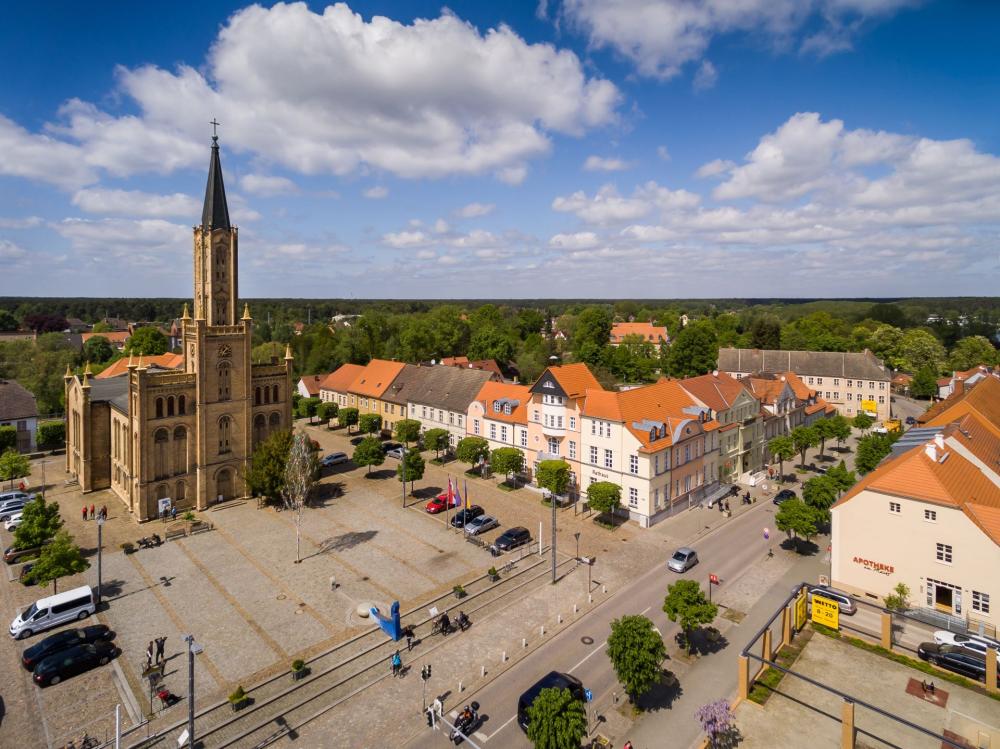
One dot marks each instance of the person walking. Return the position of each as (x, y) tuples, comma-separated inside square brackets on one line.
[(85, 513), (173, 512), (397, 663), (628, 745), (160, 643), (408, 632), (149, 655), (92, 512), (104, 512)]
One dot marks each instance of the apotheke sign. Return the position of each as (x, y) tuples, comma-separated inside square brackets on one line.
[(879, 567)]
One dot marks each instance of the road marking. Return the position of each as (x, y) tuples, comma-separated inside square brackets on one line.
[(479, 735), (588, 656), (506, 723)]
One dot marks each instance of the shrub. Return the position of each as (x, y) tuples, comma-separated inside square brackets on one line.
[(51, 435), (298, 664), (238, 696), (188, 516), (459, 591), (8, 438)]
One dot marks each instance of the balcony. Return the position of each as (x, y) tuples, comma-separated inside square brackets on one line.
[(550, 431)]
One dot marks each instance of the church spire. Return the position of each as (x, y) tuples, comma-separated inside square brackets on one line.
[(215, 213)]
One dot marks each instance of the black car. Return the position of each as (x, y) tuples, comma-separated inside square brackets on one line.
[(73, 661), (462, 517), (359, 439), (512, 538), (910, 421), (552, 680), (783, 495), (955, 658), (27, 576), (61, 641)]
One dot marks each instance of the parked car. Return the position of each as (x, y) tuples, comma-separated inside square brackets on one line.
[(26, 576), (844, 601), (783, 495), (14, 494), (910, 421), (12, 522), (359, 439), (955, 658), (481, 524), (51, 611), (73, 661), (464, 517), (440, 503), (512, 538), (970, 642), (12, 555), (63, 641), (393, 451), (329, 461), (552, 680), (683, 559), (11, 507)]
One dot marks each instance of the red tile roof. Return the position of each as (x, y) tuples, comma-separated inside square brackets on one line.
[(339, 380), (120, 367)]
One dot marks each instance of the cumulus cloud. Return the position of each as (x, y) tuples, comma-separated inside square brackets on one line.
[(376, 193), (579, 241), (602, 164), (512, 175), (607, 206), (266, 185), (135, 203), (10, 252), (41, 158), (28, 222), (706, 76), (714, 168), (474, 210), (149, 244)]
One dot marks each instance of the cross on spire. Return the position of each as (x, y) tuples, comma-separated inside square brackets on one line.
[(215, 133)]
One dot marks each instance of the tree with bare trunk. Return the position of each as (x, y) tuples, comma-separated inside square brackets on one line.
[(300, 474)]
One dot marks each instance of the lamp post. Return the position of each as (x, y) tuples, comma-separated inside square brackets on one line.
[(577, 537), (100, 544), (193, 649), (402, 475)]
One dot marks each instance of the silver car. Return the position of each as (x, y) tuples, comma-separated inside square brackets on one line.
[(970, 642), (481, 524), (683, 559)]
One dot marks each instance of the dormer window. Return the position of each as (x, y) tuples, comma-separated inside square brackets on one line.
[(496, 406), (506, 409)]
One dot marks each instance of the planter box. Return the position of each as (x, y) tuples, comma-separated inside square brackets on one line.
[(237, 706), (300, 674)]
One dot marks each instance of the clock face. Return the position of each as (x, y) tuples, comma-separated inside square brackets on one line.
[(225, 351)]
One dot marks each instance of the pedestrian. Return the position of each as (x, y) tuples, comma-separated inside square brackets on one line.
[(149, 655), (628, 745), (92, 512), (173, 512), (85, 512), (160, 642), (104, 512), (408, 631), (397, 663)]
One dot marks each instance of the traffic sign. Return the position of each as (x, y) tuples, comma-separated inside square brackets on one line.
[(588, 695)]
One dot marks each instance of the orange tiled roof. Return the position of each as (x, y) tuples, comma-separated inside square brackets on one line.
[(717, 391), (645, 330), (493, 391), (602, 404), (454, 361), (766, 390), (340, 379), (120, 367), (312, 383), (575, 379), (375, 378), (982, 399), (799, 388), (113, 336)]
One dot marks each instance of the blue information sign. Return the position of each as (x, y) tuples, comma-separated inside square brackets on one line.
[(588, 694)]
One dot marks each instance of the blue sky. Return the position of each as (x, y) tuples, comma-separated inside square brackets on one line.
[(576, 148)]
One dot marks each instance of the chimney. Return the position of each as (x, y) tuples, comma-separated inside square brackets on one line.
[(939, 441), (931, 449)]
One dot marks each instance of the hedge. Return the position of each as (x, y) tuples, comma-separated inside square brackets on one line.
[(51, 435), (8, 439)]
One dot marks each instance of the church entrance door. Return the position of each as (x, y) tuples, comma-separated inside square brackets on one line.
[(224, 485)]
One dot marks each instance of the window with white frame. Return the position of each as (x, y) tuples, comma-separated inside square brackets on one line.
[(572, 450), (460, 419), (633, 464), (593, 455), (811, 381), (451, 418), (980, 602), (572, 422), (930, 516), (819, 380), (503, 433), (524, 438), (836, 381), (881, 386), (559, 422), (944, 553), (609, 461), (493, 431), (895, 507), (423, 412), (553, 446), (881, 399), (593, 427), (656, 464), (475, 426), (633, 497), (506, 408), (850, 383)]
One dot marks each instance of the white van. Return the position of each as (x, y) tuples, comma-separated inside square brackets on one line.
[(46, 613)]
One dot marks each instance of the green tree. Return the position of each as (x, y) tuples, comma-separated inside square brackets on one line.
[(326, 411), (308, 407), (871, 451), (347, 417), (51, 434), (591, 335), (147, 341), (887, 313), (782, 448), (899, 599), (803, 438), (820, 492), (13, 466), (885, 341), (437, 440), (604, 497), (407, 430), (636, 652), (694, 351), (97, 349), (863, 422), (101, 327), (972, 351), (507, 461), (451, 332), (924, 384), (841, 477), (765, 333), (687, 605), (553, 475), (491, 343), (370, 423), (797, 519), (58, 559), (265, 476), (840, 428), (919, 348), (369, 453), (556, 720), (411, 468), (40, 521), (819, 331), (8, 438), (824, 430), (529, 321), (472, 450), (7, 320)]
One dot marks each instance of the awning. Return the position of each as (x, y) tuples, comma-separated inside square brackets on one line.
[(714, 496)]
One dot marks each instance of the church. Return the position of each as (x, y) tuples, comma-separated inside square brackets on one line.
[(156, 436)]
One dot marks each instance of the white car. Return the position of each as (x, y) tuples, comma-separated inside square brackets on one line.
[(971, 642), (13, 522), (333, 459)]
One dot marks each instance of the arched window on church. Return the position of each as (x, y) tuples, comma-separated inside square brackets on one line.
[(170, 406), (181, 402), (160, 459), (180, 494), (274, 393), (267, 394), (275, 422), (180, 450), (225, 428), (256, 396), (159, 408), (224, 381)]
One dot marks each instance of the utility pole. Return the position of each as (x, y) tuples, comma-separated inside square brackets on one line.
[(402, 475), (193, 648), (100, 545)]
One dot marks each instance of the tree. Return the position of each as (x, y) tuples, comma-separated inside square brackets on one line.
[(58, 559), (101, 327), (265, 477), (885, 342), (370, 423), (820, 492), (7, 320), (803, 438), (797, 519), (863, 422), (556, 720), (899, 599), (508, 461), (636, 652), (765, 333), (411, 468), (13, 466), (924, 384), (919, 348), (716, 720), (437, 440), (43, 323), (604, 497), (972, 351), (327, 411), (147, 341), (687, 605), (40, 521), (472, 450), (51, 434), (591, 335), (824, 430), (97, 349), (782, 448), (553, 475), (491, 343), (369, 453), (8, 438), (528, 321), (694, 351), (347, 417), (841, 477), (840, 428), (299, 475), (407, 430), (871, 450), (308, 407)]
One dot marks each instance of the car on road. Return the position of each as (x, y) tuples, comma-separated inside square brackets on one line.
[(971, 642), (683, 559), (393, 450), (73, 661), (441, 502), (466, 516), (955, 658), (481, 524), (12, 522), (329, 461), (910, 420), (512, 538), (552, 680), (783, 496), (64, 640), (844, 601), (14, 495)]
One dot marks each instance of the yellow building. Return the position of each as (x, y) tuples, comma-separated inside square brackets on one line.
[(369, 388)]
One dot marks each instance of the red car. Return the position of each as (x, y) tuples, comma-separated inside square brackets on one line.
[(439, 503)]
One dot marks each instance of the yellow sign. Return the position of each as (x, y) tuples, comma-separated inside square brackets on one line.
[(869, 407), (825, 612), (800, 610)]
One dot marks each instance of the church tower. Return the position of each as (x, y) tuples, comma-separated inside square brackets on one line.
[(216, 252)]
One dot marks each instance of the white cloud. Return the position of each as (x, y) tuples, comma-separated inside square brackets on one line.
[(714, 168), (602, 164), (10, 252), (402, 239), (607, 206), (146, 244), (663, 153), (441, 226), (135, 203), (474, 210), (28, 222), (706, 76), (376, 193), (41, 158), (267, 185), (512, 175), (579, 241)]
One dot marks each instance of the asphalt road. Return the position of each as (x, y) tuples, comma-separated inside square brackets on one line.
[(579, 650)]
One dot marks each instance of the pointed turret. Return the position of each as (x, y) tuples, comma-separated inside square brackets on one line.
[(215, 213), (246, 312), (69, 373), (288, 352), (186, 315)]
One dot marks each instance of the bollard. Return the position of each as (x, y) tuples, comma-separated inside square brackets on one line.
[(604, 588), (459, 687), (574, 608), (524, 642), (482, 672), (559, 619), (503, 657), (590, 598), (543, 630)]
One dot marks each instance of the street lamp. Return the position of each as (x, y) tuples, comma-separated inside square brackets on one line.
[(100, 544), (577, 537), (402, 475), (193, 649)]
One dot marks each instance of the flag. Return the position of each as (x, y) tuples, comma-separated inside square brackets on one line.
[(458, 497), (466, 494), (450, 495)]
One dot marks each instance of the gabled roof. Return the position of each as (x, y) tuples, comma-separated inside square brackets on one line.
[(339, 380), (449, 388), (767, 389), (646, 330), (719, 391), (113, 390), (864, 365), (982, 399), (16, 401), (312, 383), (799, 388), (215, 214), (407, 383), (574, 379), (120, 367), (113, 336), (375, 378), (505, 393)]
